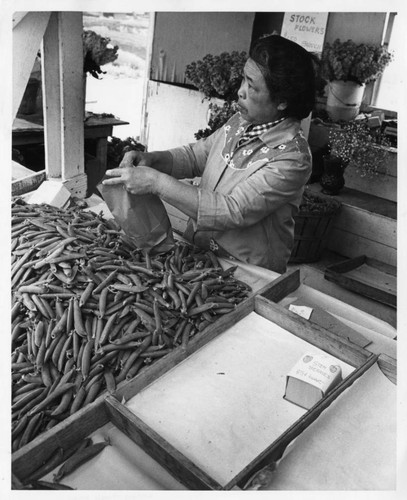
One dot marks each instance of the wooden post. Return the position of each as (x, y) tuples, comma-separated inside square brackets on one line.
[(62, 65), (28, 30), (147, 77)]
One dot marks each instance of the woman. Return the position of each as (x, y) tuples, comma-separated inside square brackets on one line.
[(253, 169)]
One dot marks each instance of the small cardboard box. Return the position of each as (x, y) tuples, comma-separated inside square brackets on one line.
[(311, 378)]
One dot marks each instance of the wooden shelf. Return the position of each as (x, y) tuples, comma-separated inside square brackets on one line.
[(364, 201)]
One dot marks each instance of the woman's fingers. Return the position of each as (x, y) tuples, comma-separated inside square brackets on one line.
[(114, 172), (116, 175), (138, 180), (112, 181), (130, 159)]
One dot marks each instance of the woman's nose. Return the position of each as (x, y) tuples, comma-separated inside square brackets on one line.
[(241, 92)]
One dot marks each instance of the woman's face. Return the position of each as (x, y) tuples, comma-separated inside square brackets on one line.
[(254, 101)]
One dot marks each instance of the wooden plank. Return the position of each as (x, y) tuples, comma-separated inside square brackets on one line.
[(147, 76), (72, 81), (18, 171), (276, 449), (388, 365), (367, 224), (183, 469), (27, 35), (101, 153), (348, 264), (32, 131), (351, 264), (77, 185), (65, 434), (332, 324), (351, 245), (64, 100), (312, 333), (382, 266), (18, 17), (94, 121), (16, 484), (282, 286), (52, 98), (376, 280), (27, 184)]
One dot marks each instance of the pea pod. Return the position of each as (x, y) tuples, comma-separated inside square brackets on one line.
[(31, 429), (78, 320), (78, 459), (51, 397), (85, 362)]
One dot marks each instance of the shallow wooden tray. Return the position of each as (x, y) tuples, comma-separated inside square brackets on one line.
[(110, 408)]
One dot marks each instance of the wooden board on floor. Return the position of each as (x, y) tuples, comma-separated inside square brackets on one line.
[(369, 277)]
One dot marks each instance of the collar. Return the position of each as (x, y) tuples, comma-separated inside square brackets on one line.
[(284, 131), (253, 130)]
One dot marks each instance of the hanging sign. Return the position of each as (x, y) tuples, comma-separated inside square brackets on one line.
[(305, 28)]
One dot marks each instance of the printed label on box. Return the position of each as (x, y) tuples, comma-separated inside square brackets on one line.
[(311, 378)]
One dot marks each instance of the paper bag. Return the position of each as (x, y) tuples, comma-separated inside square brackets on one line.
[(142, 217)]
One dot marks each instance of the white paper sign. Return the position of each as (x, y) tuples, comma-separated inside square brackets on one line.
[(303, 311), (305, 28)]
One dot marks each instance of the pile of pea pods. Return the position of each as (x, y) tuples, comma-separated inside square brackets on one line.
[(90, 310)]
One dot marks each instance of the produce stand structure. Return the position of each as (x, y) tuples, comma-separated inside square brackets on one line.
[(60, 34)]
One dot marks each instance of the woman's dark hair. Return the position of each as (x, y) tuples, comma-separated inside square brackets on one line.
[(289, 72)]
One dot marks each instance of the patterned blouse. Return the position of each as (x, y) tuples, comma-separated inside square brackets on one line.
[(249, 192)]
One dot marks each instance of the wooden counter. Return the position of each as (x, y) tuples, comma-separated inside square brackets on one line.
[(29, 129)]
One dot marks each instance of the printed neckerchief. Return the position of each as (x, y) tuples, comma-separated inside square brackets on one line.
[(253, 131)]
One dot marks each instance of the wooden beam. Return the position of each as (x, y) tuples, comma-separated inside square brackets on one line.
[(388, 366), (63, 96), (312, 333), (18, 17), (177, 464), (28, 31), (51, 92), (28, 183), (65, 434), (283, 286)]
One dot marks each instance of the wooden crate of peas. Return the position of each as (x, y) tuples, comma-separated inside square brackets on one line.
[(95, 320)]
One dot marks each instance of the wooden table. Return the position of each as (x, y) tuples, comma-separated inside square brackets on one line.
[(29, 129)]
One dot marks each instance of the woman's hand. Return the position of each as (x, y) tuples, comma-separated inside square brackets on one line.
[(140, 180), (146, 180), (134, 158)]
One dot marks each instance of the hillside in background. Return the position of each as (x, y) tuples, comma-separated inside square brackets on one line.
[(120, 89)]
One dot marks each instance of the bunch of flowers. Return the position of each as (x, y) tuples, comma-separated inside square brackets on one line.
[(217, 76), (356, 145), (348, 61), (218, 116), (116, 148), (97, 51)]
